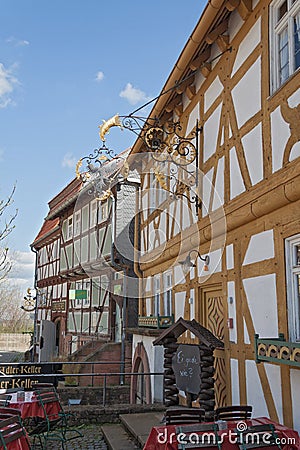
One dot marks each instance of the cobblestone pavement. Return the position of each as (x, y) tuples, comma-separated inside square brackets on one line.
[(92, 440)]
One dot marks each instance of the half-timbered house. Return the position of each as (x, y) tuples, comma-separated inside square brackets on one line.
[(79, 272), (235, 90)]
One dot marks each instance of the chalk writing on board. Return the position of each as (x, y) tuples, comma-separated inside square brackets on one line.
[(186, 367)]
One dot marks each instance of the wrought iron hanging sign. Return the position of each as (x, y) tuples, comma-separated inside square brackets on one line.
[(173, 153), (100, 181)]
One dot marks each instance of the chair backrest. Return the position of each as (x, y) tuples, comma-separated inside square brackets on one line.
[(13, 390), (46, 396), (10, 411), (4, 399), (235, 412), (5, 415), (184, 415), (201, 435), (258, 436), (11, 429), (38, 386)]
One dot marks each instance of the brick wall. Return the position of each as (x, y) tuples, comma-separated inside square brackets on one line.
[(109, 352)]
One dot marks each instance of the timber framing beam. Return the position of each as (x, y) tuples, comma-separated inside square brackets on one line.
[(223, 42), (216, 32), (190, 92), (245, 8), (166, 116), (231, 5), (201, 59), (206, 69), (174, 103), (182, 86), (178, 110)]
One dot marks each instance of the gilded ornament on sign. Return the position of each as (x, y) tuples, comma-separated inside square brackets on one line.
[(107, 124), (166, 142), (79, 175), (78, 165), (105, 196), (160, 177)]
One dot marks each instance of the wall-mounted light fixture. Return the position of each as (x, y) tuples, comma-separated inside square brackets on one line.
[(187, 262)]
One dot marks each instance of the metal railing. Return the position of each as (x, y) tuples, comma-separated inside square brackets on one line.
[(24, 375), (277, 350)]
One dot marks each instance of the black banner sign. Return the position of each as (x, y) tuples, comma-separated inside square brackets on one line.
[(24, 376)]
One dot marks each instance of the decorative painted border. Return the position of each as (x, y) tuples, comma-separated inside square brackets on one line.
[(155, 321), (277, 350)]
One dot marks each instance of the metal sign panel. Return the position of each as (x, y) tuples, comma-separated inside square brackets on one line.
[(78, 294), (24, 376), (81, 294)]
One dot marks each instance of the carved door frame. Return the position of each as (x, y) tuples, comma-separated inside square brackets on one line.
[(216, 323)]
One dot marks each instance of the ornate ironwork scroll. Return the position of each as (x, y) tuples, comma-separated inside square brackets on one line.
[(100, 181)]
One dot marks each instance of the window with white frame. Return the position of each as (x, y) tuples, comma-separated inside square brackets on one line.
[(86, 285), (293, 286), (104, 210), (284, 40), (168, 294), (64, 229), (77, 222), (93, 213), (85, 218), (70, 227), (156, 282)]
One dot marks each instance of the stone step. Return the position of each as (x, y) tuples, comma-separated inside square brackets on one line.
[(139, 424), (117, 438)]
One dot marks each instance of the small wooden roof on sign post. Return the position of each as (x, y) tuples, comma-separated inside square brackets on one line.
[(181, 326)]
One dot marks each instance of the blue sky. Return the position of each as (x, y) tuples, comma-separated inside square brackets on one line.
[(65, 66)]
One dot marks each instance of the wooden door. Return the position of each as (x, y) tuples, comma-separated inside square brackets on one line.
[(212, 316)]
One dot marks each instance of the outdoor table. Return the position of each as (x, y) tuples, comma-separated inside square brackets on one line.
[(164, 437), (30, 406)]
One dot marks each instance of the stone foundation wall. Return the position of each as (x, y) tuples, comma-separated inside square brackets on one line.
[(110, 414), (93, 396)]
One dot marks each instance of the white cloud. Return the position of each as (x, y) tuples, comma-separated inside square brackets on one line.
[(69, 161), (133, 95), (17, 42), (99, 76), (7, 85)]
